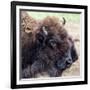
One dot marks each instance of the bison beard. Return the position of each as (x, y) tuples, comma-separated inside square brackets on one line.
[(49, 50)]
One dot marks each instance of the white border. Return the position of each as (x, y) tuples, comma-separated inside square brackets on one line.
[(50, 80)]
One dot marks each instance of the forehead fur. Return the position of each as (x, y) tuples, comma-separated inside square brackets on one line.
[(55, 26)]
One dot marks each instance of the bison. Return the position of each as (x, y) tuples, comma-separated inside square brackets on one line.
[(48, 48)]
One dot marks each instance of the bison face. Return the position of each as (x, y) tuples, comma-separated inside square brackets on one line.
[(64, 61), (45, 38), (69, 57), (61, 52)]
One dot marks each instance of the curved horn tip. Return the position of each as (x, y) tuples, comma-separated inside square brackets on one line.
[(64, 21)]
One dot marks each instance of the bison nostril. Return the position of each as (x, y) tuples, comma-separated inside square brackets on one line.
[(69, 61)]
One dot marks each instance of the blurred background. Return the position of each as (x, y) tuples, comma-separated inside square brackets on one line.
[(71, 17)]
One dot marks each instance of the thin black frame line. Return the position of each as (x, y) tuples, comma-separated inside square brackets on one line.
[(13, 56), (41, 4), (34, 10)]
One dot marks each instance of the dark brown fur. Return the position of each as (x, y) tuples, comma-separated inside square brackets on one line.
[(44, 50)]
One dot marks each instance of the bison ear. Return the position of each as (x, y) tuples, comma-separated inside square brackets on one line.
[(41, 35)]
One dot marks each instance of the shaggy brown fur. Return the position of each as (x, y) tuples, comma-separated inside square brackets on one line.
[(55, 28), (28, 24), (47, 49)]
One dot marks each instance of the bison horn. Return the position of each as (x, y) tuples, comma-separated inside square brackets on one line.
[(64, 21)]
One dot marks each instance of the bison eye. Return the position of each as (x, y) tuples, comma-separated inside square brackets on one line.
[(52, 43)]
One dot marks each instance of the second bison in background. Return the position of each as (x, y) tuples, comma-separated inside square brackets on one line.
[(49, 49)]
